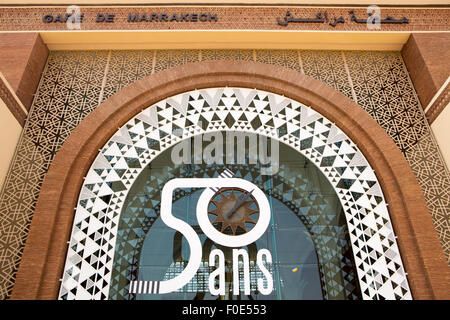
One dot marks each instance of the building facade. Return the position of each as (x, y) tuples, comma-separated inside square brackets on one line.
[(339, 110)]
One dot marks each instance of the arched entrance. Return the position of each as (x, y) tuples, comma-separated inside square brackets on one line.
[(158, 127), (63, 182)]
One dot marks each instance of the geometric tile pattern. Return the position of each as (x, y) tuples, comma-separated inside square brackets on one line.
[(91, 249), (68, 92), (172, 58), (328, 67), (383, 88), (237, 55), (432, 173), (282, 58), (125, 67), (73, 84)]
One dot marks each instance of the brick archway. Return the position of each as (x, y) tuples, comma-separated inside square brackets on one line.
[(45, 250)]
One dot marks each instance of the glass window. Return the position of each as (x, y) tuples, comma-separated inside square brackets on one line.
[(307, 235)]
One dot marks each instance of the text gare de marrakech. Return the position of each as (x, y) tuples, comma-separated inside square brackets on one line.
[(135, 17)]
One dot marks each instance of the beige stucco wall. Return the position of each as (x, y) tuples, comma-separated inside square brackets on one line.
[(441, 131), (10, 131)]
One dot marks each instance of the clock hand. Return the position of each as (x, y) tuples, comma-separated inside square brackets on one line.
[(242, 199)]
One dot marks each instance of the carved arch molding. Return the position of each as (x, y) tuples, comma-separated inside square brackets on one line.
[(381, 275)]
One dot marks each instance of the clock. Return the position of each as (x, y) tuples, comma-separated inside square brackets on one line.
[(233, 210)]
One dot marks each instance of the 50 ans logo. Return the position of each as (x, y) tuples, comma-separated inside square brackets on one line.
[(241, 215)]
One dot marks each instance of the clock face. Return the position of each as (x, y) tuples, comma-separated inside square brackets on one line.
[(233, 211)]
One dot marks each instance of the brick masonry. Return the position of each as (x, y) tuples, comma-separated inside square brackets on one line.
[(426, 56), (244, 18), (22, 58)]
